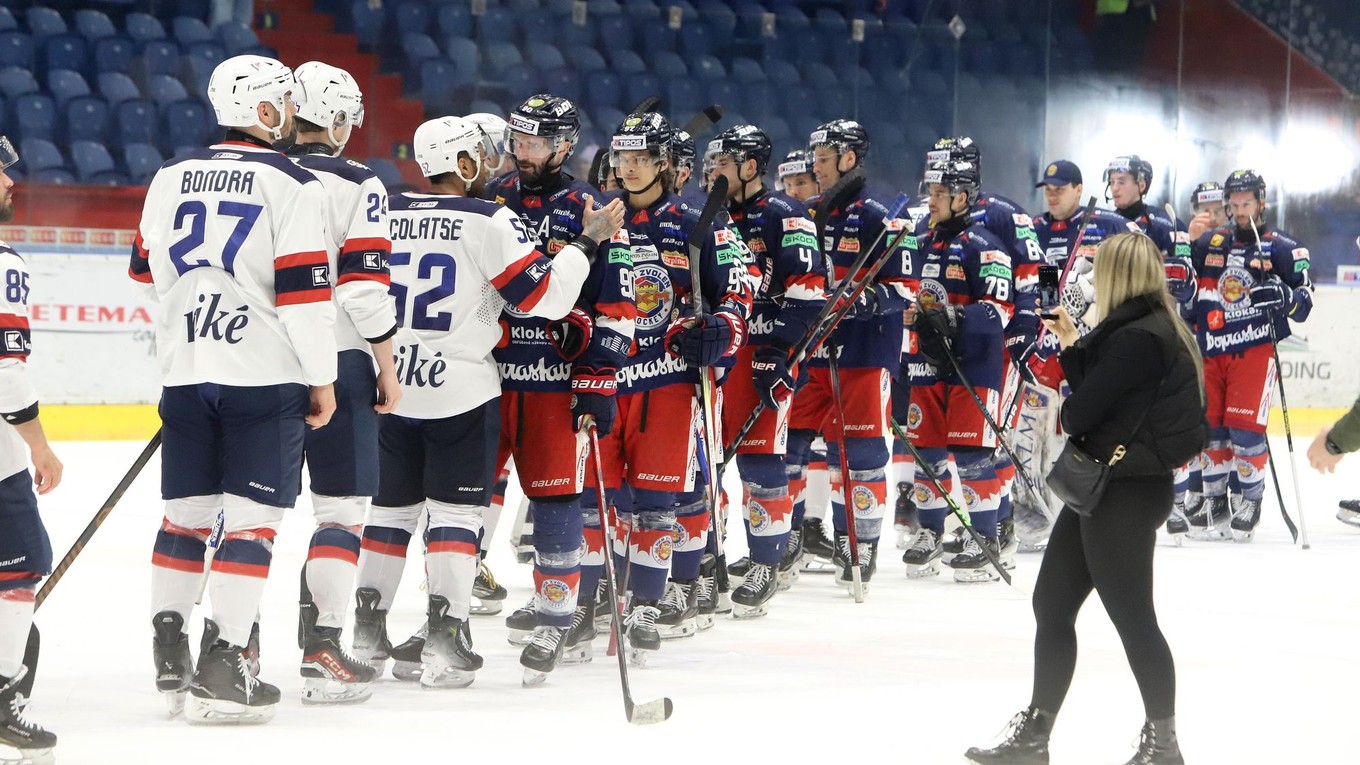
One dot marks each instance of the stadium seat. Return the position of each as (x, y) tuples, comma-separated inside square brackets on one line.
[(417, 48), (93, 24), (454, 20), (413, 16), (65, 85), (668, 65), (500, 58), (496, 26), (16, 81), (112, 54), (602, 90), (187, 122), (159, 57), (587, 61), (236, 37), (135, 121), (707, 68), (16, 49), (613, 31), (143, 28), (684, 96), (53, 175), (117, 87), (562, 82), (782, 73), (142, 161), (731, 96), (818, 75), (65, 51), (545, 57), (439, 79), (746, 71), (640, 86), (164, 90), (386, 171), (538, 28), (520, 81), (197, 71), (44, 22), (609, 119), (7, 19), (626, 63), (369, 23), (90, 160), (188, 30), (40, 154), (480, 105), (35, 116), (87, 119), (463, 53)]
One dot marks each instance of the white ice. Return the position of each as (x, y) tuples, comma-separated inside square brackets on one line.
[(1264, 637)]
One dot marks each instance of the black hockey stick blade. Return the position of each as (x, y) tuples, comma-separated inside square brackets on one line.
[(647, 104), (30, 661), (650, 712), (1279, 494), (704, 120)]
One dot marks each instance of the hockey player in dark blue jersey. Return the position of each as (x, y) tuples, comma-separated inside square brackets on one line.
[(964, 300), (795, 176), (1127, 180), (867, 344), (1208, 209)]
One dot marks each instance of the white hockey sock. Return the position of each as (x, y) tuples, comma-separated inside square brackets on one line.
[(241, 565), (178, 557), (16, 615), (382, 556), (451, 554), (333, 556)]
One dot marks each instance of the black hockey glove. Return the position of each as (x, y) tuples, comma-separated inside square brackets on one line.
[(773, 379), (936, 329), (703, 340)]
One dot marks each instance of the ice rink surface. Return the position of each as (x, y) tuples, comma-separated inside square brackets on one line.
[(1264, 637)]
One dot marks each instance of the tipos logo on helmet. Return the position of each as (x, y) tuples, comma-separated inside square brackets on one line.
[(742, 142), (841, 135), (1206, 193), (795, 162)]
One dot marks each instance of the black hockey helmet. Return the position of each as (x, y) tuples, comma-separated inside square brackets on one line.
[(544, 115), (1206, 193), (1134, 165), (648, 131), (796, 162), (841, 135), (742, 142), (958, 176), (957, 149), (682, 149), (1245, 180)]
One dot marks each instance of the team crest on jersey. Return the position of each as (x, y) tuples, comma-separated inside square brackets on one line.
[(661, 549), (1033, 399), (679, 536), (921, 494), (970, 497), (932, 294), (555, 591), (758, 516), (1234, 287), (654, 293), (913, 416), (1216, 240), (863, 500)]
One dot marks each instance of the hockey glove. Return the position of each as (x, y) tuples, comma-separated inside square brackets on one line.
[(704, 339), (1180, 280), (1020, 344), (571, 334), (773, 379), (592, 394), (936, 329), (872, 300), (1301, 304), (1270, 294)]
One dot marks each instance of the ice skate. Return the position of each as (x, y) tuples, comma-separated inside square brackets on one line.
[(174, 662), (223, 691), (447, 659), (370, 629), (1024, 742), (1210, 521), (333, 676), (522, 622), (1176, 524), (640, 627), (923, 557), (971, 566), (952, 544), (1007, 543), (817, 548), (868, 562), (488, 597), (1032, 528), (1245, 518), (22, 742), (579, 635), (406, 661), (706, 593), (541, 655), (752, 598), (1348, 512), (738, 569), (790, 559), (679, 611), (906, 522)]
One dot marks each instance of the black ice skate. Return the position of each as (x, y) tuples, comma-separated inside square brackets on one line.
[(923, 557), (579, 635), (952, 544), (1032, 526), (1158, 745), (406, 661), (1176, 524), (706, 593), (21, 742), (817, 548), (370, 629), (447, 659), (1007, 542), (790, 559), (868, 562), (522, 622), (1245, 517), (906, 522), (541, 655), (333, 675), (1024, 742), (1348, 512), (971, 566), (603, 607), (223, 690), (640, 626), (174, 662), (738, 569), (679, 610), (488, 597), (1210, 520), (751, 599)]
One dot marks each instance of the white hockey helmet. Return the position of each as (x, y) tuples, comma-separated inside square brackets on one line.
[(8, 154), (329, 98), (494, 126), (241, 83), (439, 142)]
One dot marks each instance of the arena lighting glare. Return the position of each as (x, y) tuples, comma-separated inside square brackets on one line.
[(1313, 157), (1124, 132)]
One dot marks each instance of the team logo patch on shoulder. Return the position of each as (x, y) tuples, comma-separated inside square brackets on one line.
[(1022, 219), (722, 236), (799, 223), (1216, 240), (500, 200), (1300, 253), (996, 256), (1213, 260), (620, 236)]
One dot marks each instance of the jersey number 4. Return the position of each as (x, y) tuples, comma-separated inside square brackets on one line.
[(426, 290), (192, 218)]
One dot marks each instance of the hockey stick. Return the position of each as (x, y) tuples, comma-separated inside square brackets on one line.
[(851, 534), (1284, 412), (704, 120), (648, 712), (1279, 493), (834, 309), (647, 104), (967, 522), (214, 541), (34, 644)]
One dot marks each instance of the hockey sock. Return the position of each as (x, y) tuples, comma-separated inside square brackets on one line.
[(980, 489), (1217, 462), (382, 553), (691, 538), (333, 556), (904, 465), (558, 540), (451, 553), (767, 516), (796, 477), (652, 544), (1181, 482), (241, 565), (491, 516), (931, 506), (592, 559), (818, 492), (1005, 478), (1195, 469), (1249, 452), (179, 552), (16, 615)]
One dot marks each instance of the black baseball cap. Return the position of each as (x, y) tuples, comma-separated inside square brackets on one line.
[(1060, 173)]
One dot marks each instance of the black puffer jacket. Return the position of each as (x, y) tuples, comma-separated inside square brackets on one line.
[(1130, 361)]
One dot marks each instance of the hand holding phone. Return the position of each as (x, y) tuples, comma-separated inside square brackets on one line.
[(1050, 297)]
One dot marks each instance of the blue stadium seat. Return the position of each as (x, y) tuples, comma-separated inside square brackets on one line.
[(602, 90), (112, 54), (417, 48), (87, 119), (65, 51), (236, 37), (520, 81), (439, 79), (782, 73), (385, 170), (640, 86), (500, 58), (626, 63), (159, 57), (587, 61), (44, 22), (90, 160), (454, 19), (197, 71), (523, 7), (7, 19), (143, 28), (482, 105), (562, 82), (538, 28), (818, 75), (545, 57), (982, 59), (93, 25), (165, 90), (746, 71), (684, 96), (368, 23), (135, 121), (117, 87), (777, 129), (707, 68), (613, 31), (209, 50), (188, 30), (497, 25), (40, 154), (16, 81), (463, 53), (142, 161), (187, 123), (731, 96), (609, 119), (413, 16), (65, 85), (569, 36), (55, 176), (667, 65), (16, 49), (35, 116)]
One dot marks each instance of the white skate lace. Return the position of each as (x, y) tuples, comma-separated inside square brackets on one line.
[(674, 599), (248, 680), (547, 638), (16, 713), (642, 617), (705, 585), (866, 552), (531, 606), (971, 547), (925, 541), (756, 578)]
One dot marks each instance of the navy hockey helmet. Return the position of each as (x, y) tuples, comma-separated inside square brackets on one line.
[(1206, 193), (1134, 165), (682, 149), (956, 149), (841, 135), (796, 162), (743, 142), (549, 116), (648, 131), (958, 176), (1245, 180)]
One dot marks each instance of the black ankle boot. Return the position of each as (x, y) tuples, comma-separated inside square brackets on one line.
[(1158, 745), (1025, 742)]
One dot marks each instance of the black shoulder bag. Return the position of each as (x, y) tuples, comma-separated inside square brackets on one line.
[(1079, 479)]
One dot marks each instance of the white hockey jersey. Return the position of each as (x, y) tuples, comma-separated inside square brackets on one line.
[(233, 241), (456, 262), (357, 248), (16, 390)]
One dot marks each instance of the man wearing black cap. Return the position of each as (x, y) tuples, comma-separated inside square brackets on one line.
[(1038, 436)]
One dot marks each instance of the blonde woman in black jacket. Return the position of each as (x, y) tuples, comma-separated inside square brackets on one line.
[(1139, 363)]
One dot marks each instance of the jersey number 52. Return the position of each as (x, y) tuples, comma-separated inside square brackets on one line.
[(425, 290)]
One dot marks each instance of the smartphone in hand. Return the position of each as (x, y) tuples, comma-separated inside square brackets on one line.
[(1049, 294)]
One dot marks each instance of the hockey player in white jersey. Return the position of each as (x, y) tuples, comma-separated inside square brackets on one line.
[(342, 458), (25, 552), (232, 242), (457, 261)]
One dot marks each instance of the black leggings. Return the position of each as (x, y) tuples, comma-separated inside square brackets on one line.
[(1112, 552)]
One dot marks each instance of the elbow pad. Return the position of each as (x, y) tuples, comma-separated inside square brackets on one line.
[(23, 415)]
